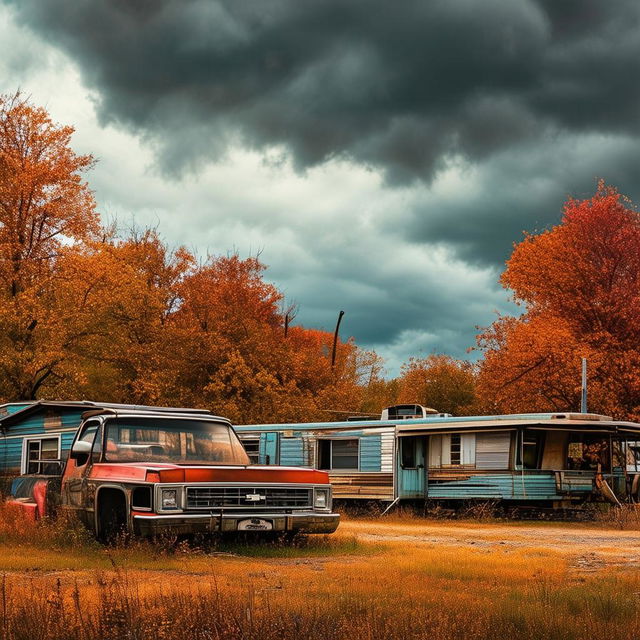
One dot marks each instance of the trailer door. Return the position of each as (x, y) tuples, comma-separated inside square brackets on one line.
[(412, 471), (268, 451)]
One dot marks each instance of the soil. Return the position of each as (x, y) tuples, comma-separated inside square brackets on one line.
[(590, 549)]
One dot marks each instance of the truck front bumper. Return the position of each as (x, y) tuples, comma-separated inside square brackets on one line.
[(189, 523)]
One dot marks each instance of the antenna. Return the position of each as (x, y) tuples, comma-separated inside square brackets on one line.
[(335, 339), (583, 404)]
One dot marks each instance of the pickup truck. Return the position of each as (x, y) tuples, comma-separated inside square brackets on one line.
[(151, 471)]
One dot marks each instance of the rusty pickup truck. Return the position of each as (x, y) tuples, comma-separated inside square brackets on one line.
[(151, 470)]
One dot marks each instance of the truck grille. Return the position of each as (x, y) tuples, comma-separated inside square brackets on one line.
[(248, 497)]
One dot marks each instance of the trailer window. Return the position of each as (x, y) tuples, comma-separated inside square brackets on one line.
[(251, 445), (456, 448), (42, 456), (338, 454), (452, 450), (532, 447)]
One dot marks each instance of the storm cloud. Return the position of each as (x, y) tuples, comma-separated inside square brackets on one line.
[(404, 88), (479, 120)]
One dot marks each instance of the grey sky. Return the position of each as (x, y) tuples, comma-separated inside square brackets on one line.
[(382, 156)]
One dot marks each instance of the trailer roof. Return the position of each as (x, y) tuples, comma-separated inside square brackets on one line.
[(97, 407), (557, 420), (573, 422)]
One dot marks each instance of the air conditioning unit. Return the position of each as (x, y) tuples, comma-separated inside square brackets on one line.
[(409, 412)]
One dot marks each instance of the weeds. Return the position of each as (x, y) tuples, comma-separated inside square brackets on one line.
[(392, 595), (317, 587), (60, 533), (625, 517)]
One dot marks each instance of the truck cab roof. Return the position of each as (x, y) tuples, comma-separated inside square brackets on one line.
[(18, 411)]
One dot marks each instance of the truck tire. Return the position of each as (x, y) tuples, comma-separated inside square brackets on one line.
[(112, 516)]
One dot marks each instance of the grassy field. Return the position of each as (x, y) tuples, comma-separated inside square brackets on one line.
[(373, 579)]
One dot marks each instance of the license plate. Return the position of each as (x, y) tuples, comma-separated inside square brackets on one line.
[(255, 524)]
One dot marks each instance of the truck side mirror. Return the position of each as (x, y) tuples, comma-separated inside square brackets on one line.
[(81, 449)]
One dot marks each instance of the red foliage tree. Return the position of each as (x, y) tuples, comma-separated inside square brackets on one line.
[(579, 285)]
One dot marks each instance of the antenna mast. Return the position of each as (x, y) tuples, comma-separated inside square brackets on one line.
[(583, 403)]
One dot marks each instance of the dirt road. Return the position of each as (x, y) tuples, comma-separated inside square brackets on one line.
[(587, 546)]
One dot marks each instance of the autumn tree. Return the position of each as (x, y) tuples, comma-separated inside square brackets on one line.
[(440, 382), (45, 207), (578, 283), (241, 361), (130, 347), (88, 312)]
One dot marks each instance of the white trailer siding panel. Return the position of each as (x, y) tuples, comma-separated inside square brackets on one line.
[(386, 451), (492, 450)]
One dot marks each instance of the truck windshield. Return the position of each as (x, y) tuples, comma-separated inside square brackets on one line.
[(172, 440)]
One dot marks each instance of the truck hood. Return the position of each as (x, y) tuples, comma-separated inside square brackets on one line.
[(147, 472)]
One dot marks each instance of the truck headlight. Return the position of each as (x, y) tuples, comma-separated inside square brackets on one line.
[(321, 498), (169, 499)]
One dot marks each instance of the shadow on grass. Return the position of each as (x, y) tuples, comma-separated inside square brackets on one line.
[(73, 540), (243, 545)]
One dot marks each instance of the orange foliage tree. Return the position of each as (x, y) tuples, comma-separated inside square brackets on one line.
[(85, 312), (579, 285), (45, 207), (241, 361), (440, 382)]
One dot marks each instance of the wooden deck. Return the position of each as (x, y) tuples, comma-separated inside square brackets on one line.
[(371, 486)]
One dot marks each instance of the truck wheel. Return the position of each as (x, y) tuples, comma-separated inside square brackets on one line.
[(112, 525), (112, 516)]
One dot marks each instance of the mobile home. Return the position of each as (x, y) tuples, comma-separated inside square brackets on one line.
[(551, 459)]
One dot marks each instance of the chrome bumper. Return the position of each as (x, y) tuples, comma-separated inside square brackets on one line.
[(184, 523)]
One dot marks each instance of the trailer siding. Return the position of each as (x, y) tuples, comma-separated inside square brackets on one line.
[(292, 452), (387, 449), (10, 455), (64, 423), (8, 409), (504, 486), (40, 423), (370, 453), (492, 450), (369, 486)]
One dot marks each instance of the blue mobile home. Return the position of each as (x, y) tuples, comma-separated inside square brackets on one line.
[(358, 455), (554, 459), (35, 436)]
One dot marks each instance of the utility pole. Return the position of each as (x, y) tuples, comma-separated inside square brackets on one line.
[(583, 403), (335, 339)]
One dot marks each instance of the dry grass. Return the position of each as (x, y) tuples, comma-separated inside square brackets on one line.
[(57, 583), (394, 594), (597, 515), (625, 517)]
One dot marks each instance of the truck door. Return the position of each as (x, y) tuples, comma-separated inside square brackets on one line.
[(412, 472), (74, 481)]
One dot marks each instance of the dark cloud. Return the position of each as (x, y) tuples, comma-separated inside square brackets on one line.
[(514, 89), (394, 85), (523, 189)]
